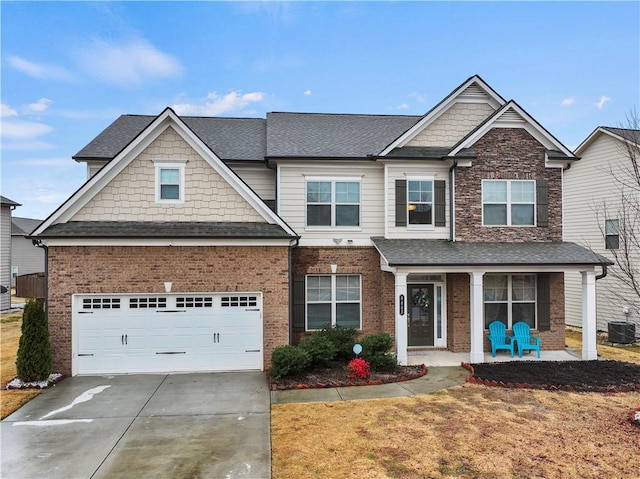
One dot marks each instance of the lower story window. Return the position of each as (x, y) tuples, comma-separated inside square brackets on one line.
[(510, 298), (333, 300)]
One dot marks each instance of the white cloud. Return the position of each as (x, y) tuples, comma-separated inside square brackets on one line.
[(568, 101), (403, 106), (6, 110), (50, 162), (419, 97), (24, 130), (38, 70), (307, 92), (603, 100), (29, 145), (40, 106), (218, 105), (128, 64)]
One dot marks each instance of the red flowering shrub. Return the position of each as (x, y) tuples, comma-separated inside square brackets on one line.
[(358, 368)]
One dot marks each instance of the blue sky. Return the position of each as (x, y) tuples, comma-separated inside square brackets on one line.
[(69, 69)]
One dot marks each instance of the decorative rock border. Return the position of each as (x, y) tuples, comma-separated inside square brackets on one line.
[(473, 379), (347, 383), (16, 383), (634, 417)]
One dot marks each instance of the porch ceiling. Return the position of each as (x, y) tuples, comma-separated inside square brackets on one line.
[(416, 252)]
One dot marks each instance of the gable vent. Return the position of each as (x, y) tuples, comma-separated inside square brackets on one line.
[(473, 91), (511, 116)]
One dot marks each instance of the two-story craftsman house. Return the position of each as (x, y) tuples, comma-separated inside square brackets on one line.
[(204, 243)]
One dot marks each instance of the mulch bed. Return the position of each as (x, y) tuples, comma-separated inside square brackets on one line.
[(591, 376), (337, 377)]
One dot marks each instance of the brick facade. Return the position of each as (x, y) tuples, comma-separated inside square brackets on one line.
[(505, 154), (124, 269), (377, 304)]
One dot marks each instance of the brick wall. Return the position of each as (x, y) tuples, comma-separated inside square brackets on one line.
[(505, 153), (81, 269), (377, 307)]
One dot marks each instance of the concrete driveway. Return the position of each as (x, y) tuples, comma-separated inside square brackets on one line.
[(205, 425)]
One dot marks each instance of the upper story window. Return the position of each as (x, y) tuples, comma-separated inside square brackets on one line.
[(169, 181), (508, 202), (612, 234), (333, 202), (420, 202)]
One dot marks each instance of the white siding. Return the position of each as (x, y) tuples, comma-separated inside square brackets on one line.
[(588, 185), (292, 201), (400, 172), (260, 179), (5, 256)]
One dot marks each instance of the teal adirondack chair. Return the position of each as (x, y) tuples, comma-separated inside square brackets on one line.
[(524, 340), (499, 338)]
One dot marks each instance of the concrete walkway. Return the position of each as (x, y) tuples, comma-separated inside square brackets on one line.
[(440, 377)]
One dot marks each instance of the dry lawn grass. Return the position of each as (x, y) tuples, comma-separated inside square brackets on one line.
[(464, 432), (10, 324)]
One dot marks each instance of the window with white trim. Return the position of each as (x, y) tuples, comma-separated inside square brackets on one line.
[(333, 203), (508, 202), (612, 234), (169, 181), (420, 201), (333, 300), (510, 298)]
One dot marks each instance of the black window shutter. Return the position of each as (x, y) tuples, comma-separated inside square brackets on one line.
[(401, 203), (298, 303), (440, 192), (542, 200), (544, 302)]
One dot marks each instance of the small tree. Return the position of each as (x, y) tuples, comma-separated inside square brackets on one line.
[(34, 361)]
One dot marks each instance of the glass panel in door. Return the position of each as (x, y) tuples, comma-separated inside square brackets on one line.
[(421, 314)]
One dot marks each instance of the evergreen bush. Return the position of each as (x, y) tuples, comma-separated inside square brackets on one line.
[(342, 338), (289, 360), (320, 348), (34, 361), (375, 350)]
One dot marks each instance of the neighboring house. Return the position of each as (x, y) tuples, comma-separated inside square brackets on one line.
[(424, 227), (6, 206), (595, 218), (25, 257)]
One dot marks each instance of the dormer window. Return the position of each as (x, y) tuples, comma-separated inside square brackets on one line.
[(169, 181)]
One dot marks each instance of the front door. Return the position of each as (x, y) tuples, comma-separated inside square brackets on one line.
[(422, 306)]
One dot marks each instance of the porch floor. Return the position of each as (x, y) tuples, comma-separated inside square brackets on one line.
[(447, 358)]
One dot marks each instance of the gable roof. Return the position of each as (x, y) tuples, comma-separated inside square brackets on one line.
[(23, 226), (512, 115), (229, 138), (7, 202), (166, 119), (323, 135), (622, 134), (473, 89)]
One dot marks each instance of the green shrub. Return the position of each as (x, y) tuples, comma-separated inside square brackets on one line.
[(376, 343), (320, 348), (342, 338), (375, 350), (288, 360), (34, 360), (382, 362)]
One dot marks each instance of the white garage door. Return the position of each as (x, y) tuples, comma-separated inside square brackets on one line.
[(167, 332)]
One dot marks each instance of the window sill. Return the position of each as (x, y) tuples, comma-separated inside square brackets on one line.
[(332, 228)]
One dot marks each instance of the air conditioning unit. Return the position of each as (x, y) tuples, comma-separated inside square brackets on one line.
[(622, 332)]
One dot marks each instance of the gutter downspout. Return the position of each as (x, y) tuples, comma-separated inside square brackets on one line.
[(291, 294), (604, 272), (40, 244), (452, 220)]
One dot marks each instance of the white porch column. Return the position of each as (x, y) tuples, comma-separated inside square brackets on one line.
[(589, 350), (477, 316), (401, 318)]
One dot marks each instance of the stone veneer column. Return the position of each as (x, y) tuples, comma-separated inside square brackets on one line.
[(476, 354), (401, 319), (589, 349)]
